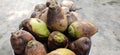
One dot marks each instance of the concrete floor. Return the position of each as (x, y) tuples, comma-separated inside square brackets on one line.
[(104, 13)]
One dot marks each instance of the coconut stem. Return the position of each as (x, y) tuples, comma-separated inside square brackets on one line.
[(53, 4)]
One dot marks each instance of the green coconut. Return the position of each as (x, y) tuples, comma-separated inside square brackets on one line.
[(62, 51), (81, 28)]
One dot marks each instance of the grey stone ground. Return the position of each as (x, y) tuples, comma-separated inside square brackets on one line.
[(104, 13)]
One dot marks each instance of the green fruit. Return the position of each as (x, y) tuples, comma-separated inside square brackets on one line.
[(39, 27), (61, 51), (36, 27), (58, 40), (82, 29), (59, 37)]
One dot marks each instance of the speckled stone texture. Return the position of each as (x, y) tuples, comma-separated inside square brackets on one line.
[(105, 14)]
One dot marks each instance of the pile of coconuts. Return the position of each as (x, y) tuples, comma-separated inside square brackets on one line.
[(53, 29)]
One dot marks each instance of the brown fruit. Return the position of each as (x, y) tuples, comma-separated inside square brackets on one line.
[(68, 3), (81, 46), (40, 14), (72, 17), (43, 16), (36, 14), (19, 40), (56, 18), (40, 7), (38, 10), (66, 10), (35, 48)]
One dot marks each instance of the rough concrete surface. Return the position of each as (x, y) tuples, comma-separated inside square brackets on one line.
[(105, 14)]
